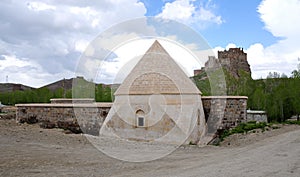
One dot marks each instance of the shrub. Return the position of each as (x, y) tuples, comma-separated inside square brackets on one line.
[(292, 122), (243, 128)]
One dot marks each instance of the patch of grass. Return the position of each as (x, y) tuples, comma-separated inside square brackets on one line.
[(292, 122), (243, 128), (252, 125)]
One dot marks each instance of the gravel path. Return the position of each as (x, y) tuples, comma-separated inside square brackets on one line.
[(27, 150)]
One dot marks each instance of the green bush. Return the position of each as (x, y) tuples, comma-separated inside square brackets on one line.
[(243, 128), (292, 122)]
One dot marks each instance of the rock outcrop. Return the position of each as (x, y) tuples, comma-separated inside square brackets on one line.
[(233, 60)]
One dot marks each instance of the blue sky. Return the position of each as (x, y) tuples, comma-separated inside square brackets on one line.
[(242, 24), (43, 42)]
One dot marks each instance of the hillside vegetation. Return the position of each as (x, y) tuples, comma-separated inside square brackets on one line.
[(277, 94), (81, 89)]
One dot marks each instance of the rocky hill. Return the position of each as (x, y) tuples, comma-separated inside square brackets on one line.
[(230, 63), (234, 61), (63, 83), (10, 87)]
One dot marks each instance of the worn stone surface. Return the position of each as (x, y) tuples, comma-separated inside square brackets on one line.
[(170, 102), (174, 120), (155, 66), (7, 116), (224, 112), (77, 118)]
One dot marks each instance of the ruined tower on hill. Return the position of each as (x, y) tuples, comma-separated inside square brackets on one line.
[(233, 60)]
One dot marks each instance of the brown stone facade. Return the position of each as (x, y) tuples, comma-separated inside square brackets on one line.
[(224, 112), (86, 118)]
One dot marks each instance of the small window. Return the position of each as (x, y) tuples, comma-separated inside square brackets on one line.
[(140, 118), (141, 122)]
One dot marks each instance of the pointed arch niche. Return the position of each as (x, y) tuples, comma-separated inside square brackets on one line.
[(140, 118)]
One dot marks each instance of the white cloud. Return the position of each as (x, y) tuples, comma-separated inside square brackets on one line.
[(52, 33), (81, 45), (281, 18), (219, 48), (40, 6), (189, 12), (207, 15), (27, 71), (181, 10)]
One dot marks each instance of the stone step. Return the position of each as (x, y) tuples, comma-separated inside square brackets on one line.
[(207, 139)]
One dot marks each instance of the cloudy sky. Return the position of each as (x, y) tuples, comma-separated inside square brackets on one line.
[(42, 41)]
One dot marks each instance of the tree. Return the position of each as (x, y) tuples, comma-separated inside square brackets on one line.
[(59, 93), (283, 76), (295, 90), (83, 89), (295, 96), (258, 99), (273, 75), (296, 74), (99, 93)]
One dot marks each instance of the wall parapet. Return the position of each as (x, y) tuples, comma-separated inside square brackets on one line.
[(72, 100), (224, 97), (67, 105)]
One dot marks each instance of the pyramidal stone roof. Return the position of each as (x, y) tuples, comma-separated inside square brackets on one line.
[(157, 73)]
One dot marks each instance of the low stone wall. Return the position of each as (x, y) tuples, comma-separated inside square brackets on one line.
[(224, 112), (72, 101), (87, 118), (257, 116), (221, 112)]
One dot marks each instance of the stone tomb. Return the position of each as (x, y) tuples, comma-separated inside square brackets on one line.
[(156, 102)]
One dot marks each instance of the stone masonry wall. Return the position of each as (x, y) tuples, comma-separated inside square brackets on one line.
[(224, 112), (221, 112), (87, 118)]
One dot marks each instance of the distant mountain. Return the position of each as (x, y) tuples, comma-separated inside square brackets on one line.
[(65, 84), (10, 87)]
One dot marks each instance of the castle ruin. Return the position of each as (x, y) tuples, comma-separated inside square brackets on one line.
[(233, 60)]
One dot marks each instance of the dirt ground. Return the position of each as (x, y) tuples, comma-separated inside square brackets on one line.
[(27, 150)]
